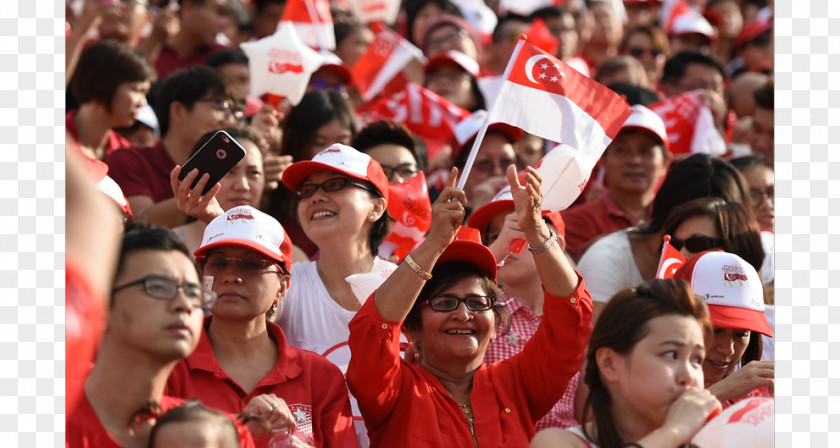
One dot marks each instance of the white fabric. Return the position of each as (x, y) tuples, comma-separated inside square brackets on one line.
[(576, 430), (608, 266)]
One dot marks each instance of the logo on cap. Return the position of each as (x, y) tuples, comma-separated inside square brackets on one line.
[(734, 276), (236, 215)]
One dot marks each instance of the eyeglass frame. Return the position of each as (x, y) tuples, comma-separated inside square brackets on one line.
[(398, 170), (205, 303), (345, 182), (758, 197), (458, 302), (202, 260), (712, 242), (226, 107)]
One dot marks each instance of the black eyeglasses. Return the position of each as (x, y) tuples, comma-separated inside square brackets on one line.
[(638, 52), (697, 243), (163, 288), (758, 197), (304, 191), (473, 302), (253, 264), (405, 170), (225, 107)]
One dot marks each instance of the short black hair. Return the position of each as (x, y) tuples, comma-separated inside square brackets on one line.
[(386, 131), (509, 17), (764, 96), (103, 66), (675, 67), (188, 85), (227, 56)]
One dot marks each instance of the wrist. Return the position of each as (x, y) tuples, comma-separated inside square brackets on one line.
[(543, 242)]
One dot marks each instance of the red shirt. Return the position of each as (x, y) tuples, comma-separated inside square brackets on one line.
[(406, 406), (84, 430), (115, 140), (587, 222), (523, 326), (142, 171), (313, 388), (85, 323), (169, 62)]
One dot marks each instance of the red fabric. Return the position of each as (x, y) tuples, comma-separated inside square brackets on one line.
[(405, 405), (587, 222), (115, 140), (387, 45), (410, 206), (142, 171), (313, 388), (680, 114), (539, 35), (84, 430), (169, 62), (84, 326), (524, 324)]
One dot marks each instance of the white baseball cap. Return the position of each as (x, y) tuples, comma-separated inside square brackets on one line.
[(692, 23), (248, 227), (648, 120), (731, 288), (342, 159)]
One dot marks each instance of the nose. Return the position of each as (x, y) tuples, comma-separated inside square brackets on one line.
[(725, 346), (230, 274), (241, 183), (461, 313), (181, 302), (683, 374)]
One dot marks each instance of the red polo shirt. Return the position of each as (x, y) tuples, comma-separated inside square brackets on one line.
[(142, 171), (587, 222), (115, 140), (169, 62), (404, 405), (313, 387)]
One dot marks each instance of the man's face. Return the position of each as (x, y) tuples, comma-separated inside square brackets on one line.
[(167, 330), (698, 76), (762, 135), (564, 29), (204, 21)]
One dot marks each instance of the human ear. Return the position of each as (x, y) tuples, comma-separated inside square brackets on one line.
[(609, 363), (379, 207)]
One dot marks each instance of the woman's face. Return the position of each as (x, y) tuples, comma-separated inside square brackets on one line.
[(660, 368), (424, 18), (452, 83), (243, 185), (518, 268), (346, 215), (725, 350), (463, 335), (698, 225), (450, 37), (641, 47), (333, 131), (760, 180), (354, 45), (243, 293), (127, 101)]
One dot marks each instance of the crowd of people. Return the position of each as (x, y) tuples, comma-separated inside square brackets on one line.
[(338, 288)]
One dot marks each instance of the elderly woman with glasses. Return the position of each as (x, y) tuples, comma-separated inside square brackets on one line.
[(243, 362), (445, 296)]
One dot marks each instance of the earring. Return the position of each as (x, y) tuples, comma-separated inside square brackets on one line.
[(371, 217)]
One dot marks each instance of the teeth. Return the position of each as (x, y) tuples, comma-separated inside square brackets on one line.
[(324, 213), (460, 332)]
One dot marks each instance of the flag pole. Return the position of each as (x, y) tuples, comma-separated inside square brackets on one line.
[(483, 130), (316, 24)]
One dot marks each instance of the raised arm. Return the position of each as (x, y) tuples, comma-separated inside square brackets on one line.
[(396, 295), (556, 273)]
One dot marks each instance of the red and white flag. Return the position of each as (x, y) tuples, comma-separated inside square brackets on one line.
[(670, 260), (540, 35), (369, 11), (384, 59), (313, 22), (281, 64), (690, 124), (424, 112), (409, 205), (545, 97), (670, 11)]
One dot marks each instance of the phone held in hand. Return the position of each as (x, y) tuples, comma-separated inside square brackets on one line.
[(217, 157)]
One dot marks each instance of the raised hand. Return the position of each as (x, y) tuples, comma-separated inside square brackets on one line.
[(689, 412), (527, 199), (190, 201), (447, 213)]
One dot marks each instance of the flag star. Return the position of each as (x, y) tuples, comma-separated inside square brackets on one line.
[(553, 79), (299, 415), (544, 66), (542, 75)]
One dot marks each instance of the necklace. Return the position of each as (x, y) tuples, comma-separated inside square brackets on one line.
[(465, 408)]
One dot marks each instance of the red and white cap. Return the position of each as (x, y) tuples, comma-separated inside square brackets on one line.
[(692, 23), (648, 120), (468, 128), (341, 159), (503, 202), (334, 63), (731, 287), (467, 247), (463, 61), (248, 227)]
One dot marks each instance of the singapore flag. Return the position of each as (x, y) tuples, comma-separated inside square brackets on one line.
[(544, 96), (670, 260)]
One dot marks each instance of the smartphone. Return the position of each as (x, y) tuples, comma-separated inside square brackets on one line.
[(217, 157)]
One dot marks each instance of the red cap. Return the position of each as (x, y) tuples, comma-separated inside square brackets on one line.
[(503, 202), (463, 61), (341, 159), (467, 247), (751, 31)]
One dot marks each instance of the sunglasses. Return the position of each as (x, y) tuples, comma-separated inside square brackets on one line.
[(250, 264), (339, 183), (473, 302), (697, 243), (638, 52), (166, 289)]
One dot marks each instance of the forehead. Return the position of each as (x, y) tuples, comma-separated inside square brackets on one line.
[(495, 146), (673, 327), (696, 225), (391, 154), (167, 263), (465, 286)]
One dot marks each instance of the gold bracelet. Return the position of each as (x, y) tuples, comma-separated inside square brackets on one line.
[(414, 266)]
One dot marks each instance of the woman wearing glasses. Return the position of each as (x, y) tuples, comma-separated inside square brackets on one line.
[(445, 295), (243, 362)]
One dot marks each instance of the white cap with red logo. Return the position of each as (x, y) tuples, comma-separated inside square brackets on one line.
[(248, 227), (648, 120), (731, 287), (342, 159)]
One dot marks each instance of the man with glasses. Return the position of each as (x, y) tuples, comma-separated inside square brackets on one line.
[(189, 104), (154, 321)]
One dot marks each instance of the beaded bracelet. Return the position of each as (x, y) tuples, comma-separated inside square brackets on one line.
[(544, 246), (425, 275)]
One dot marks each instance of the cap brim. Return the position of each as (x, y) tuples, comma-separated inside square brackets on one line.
[(740, 318), (242, 243), (481, 218), (650, 131), (473, 253)]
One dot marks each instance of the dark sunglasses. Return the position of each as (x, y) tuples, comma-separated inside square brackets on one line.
[(638, 52), (697, 243), (450, 303), (338, 183)]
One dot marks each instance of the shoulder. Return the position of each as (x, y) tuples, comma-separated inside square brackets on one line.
[(556, 437)]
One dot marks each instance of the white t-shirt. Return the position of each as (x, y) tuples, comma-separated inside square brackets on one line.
[(608, 266)]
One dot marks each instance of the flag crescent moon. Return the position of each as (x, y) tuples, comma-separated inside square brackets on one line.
[(529, 67), (665, 265)]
